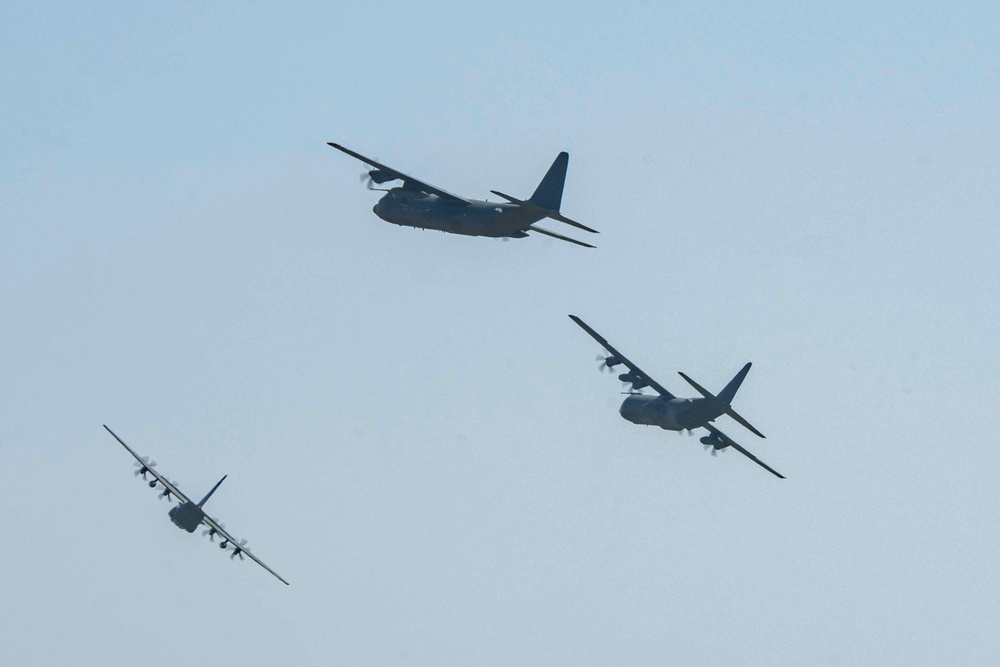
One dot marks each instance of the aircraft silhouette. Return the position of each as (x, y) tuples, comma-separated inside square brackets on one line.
[(422, 205), (188, 515), (678, 414)]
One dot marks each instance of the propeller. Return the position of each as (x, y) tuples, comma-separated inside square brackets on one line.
[(634, 380), (607, 362), (238, 550), (372, 176), (712, 446), (212, 532), (143, 467), (166, 492), (712, 442)]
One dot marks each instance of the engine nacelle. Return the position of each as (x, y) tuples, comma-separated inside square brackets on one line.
[(714, 441), (380, 177), (634, 380)]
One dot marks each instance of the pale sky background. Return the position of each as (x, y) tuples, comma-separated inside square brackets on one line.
[(416, 435)]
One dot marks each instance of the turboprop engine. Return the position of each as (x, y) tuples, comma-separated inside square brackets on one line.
[(713, 440)]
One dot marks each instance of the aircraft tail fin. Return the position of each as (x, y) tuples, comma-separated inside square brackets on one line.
[(549, 192), (722, 405), (727, 394), (209, 494)]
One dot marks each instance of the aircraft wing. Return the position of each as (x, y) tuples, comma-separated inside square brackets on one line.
[(732, 443), (420, 185), (152, 471), (220, 531), (635, 370)]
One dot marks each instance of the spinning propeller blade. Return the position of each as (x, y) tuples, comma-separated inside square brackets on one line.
[(212, 532), (143, 467)]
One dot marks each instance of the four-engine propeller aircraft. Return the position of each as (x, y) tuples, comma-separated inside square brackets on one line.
[(188, 515), (677, 414), (420, 204)]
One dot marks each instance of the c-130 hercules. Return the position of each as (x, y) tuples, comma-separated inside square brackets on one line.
[(188, 515), (678, 414), (422, 205)]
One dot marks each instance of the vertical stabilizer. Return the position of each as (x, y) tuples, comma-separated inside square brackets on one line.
[(548, 194), (209, 494), (727, 394)]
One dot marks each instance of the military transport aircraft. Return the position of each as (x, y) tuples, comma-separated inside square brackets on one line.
[(677, 414), (422, 205), (189, 515)]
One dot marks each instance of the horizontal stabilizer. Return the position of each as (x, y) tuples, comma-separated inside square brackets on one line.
[(546, 212), (558, 236), (722, 406)]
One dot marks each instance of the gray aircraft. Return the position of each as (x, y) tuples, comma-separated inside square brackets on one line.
[(677, 414), (422, 205), (188, 515)]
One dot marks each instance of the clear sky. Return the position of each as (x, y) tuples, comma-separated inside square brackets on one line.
[(416, 435)]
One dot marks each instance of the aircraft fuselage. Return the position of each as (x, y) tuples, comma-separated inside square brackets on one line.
[(410, 208), (675, 414), (187, 516)]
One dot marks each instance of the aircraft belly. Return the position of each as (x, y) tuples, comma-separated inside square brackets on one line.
[(474, 220)]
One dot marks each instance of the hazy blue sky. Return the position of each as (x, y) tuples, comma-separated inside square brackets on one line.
[(416, 435)]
